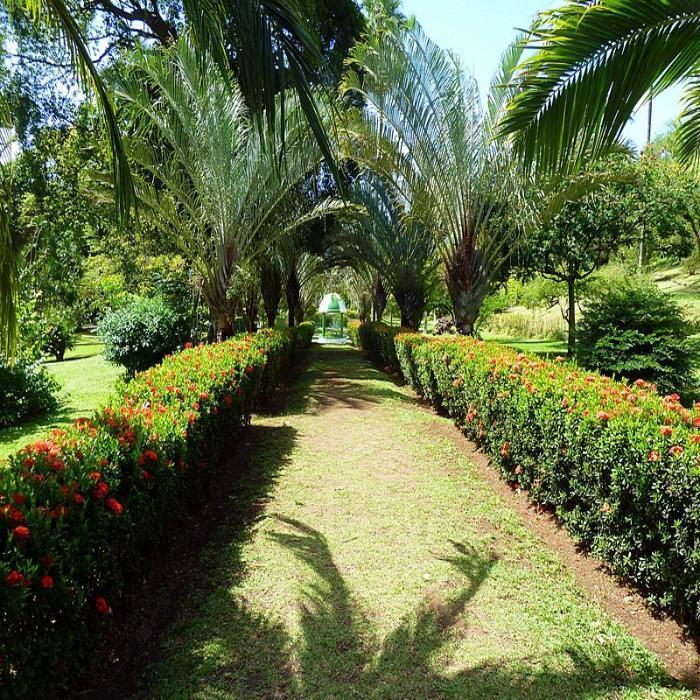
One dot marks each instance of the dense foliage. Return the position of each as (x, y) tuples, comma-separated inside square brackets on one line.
[(142, 332), (82, 510), (632, 329), (26, 389), (618, 463)]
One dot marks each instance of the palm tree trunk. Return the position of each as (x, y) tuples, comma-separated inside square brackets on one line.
[(293, 292), (250, 310), (379, 299), (271, 290)]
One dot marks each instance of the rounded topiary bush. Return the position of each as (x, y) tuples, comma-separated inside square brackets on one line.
[(142, 332), (26, 390), (632, 329)]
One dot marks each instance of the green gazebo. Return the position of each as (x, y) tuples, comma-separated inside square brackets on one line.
[(331, 304)]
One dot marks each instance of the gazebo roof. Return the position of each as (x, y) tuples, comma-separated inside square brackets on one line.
[(332, 304)]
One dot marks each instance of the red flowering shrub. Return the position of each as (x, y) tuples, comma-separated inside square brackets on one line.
[(618, 463), (81, 510)]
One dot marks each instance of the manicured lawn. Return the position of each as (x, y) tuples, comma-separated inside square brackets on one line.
[(545, 348), (86, 379), (364, 557)]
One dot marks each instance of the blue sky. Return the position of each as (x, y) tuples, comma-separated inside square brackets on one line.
[(480, 30)]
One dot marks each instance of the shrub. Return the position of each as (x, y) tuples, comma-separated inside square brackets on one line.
[(60, 333), (617, 463), (377, 340), (354, 332), (82, 510), (444, 325), (26, 390), (142, 332), (632, 329)]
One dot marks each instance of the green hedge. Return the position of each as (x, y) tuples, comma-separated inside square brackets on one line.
[(82, 511), (617, 463), (377, 340)]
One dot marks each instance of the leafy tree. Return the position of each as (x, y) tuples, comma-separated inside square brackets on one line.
[(272, 46), (595, 61), (578, 240), (395, 245), (668, 206)]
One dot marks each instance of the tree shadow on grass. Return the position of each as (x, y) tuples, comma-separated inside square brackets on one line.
[(249, 655), (191, 579)]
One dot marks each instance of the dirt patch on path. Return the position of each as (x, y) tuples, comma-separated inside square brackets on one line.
[(664, 636)]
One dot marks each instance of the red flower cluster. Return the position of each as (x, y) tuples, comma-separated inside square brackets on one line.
[(60, 497)]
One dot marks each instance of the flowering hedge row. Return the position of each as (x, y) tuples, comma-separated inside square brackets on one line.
[(618, 463), (377, 340), (82, 511)]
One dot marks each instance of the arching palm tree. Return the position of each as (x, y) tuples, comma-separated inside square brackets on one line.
[(594, 62), (210, 177), (395, 245), (272, 48), (8, 245), (423, 130)]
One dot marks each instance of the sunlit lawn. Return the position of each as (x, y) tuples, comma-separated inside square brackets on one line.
[(86, 380)]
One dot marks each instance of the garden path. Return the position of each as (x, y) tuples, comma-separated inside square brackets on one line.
[(365, 556)]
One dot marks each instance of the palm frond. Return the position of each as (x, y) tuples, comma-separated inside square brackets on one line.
[(594, 61), (210, 176), (56, 15)]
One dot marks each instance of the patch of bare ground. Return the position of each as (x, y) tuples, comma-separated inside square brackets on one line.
[(661, 634)]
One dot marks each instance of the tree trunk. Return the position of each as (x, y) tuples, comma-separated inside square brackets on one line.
[(571, 315), (379, 299), (293, 292), (467, 283), (226, 329), (411, 303), (250, 310), (466, 312), (271, 290), (299, 313)]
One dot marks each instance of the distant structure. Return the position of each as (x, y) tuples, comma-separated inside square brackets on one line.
[(331, 305)]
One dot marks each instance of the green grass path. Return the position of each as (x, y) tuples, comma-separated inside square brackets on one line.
[(375, 563)]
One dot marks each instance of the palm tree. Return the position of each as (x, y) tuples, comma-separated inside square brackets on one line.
[(594, 62), (272, 47), (396, 246), (424, 131), (208, 175), (8, 242)]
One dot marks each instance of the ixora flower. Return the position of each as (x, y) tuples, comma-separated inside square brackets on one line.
[(101, 490), (676, 450), (21, 534), (666, 430), (46, 581), (14, 579), (654, 456), (114, 506), (102, 605), (603, 416), (148, 456)]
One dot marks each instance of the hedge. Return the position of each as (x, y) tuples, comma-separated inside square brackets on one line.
[(617, 463), (377, 340), (82, 510)]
